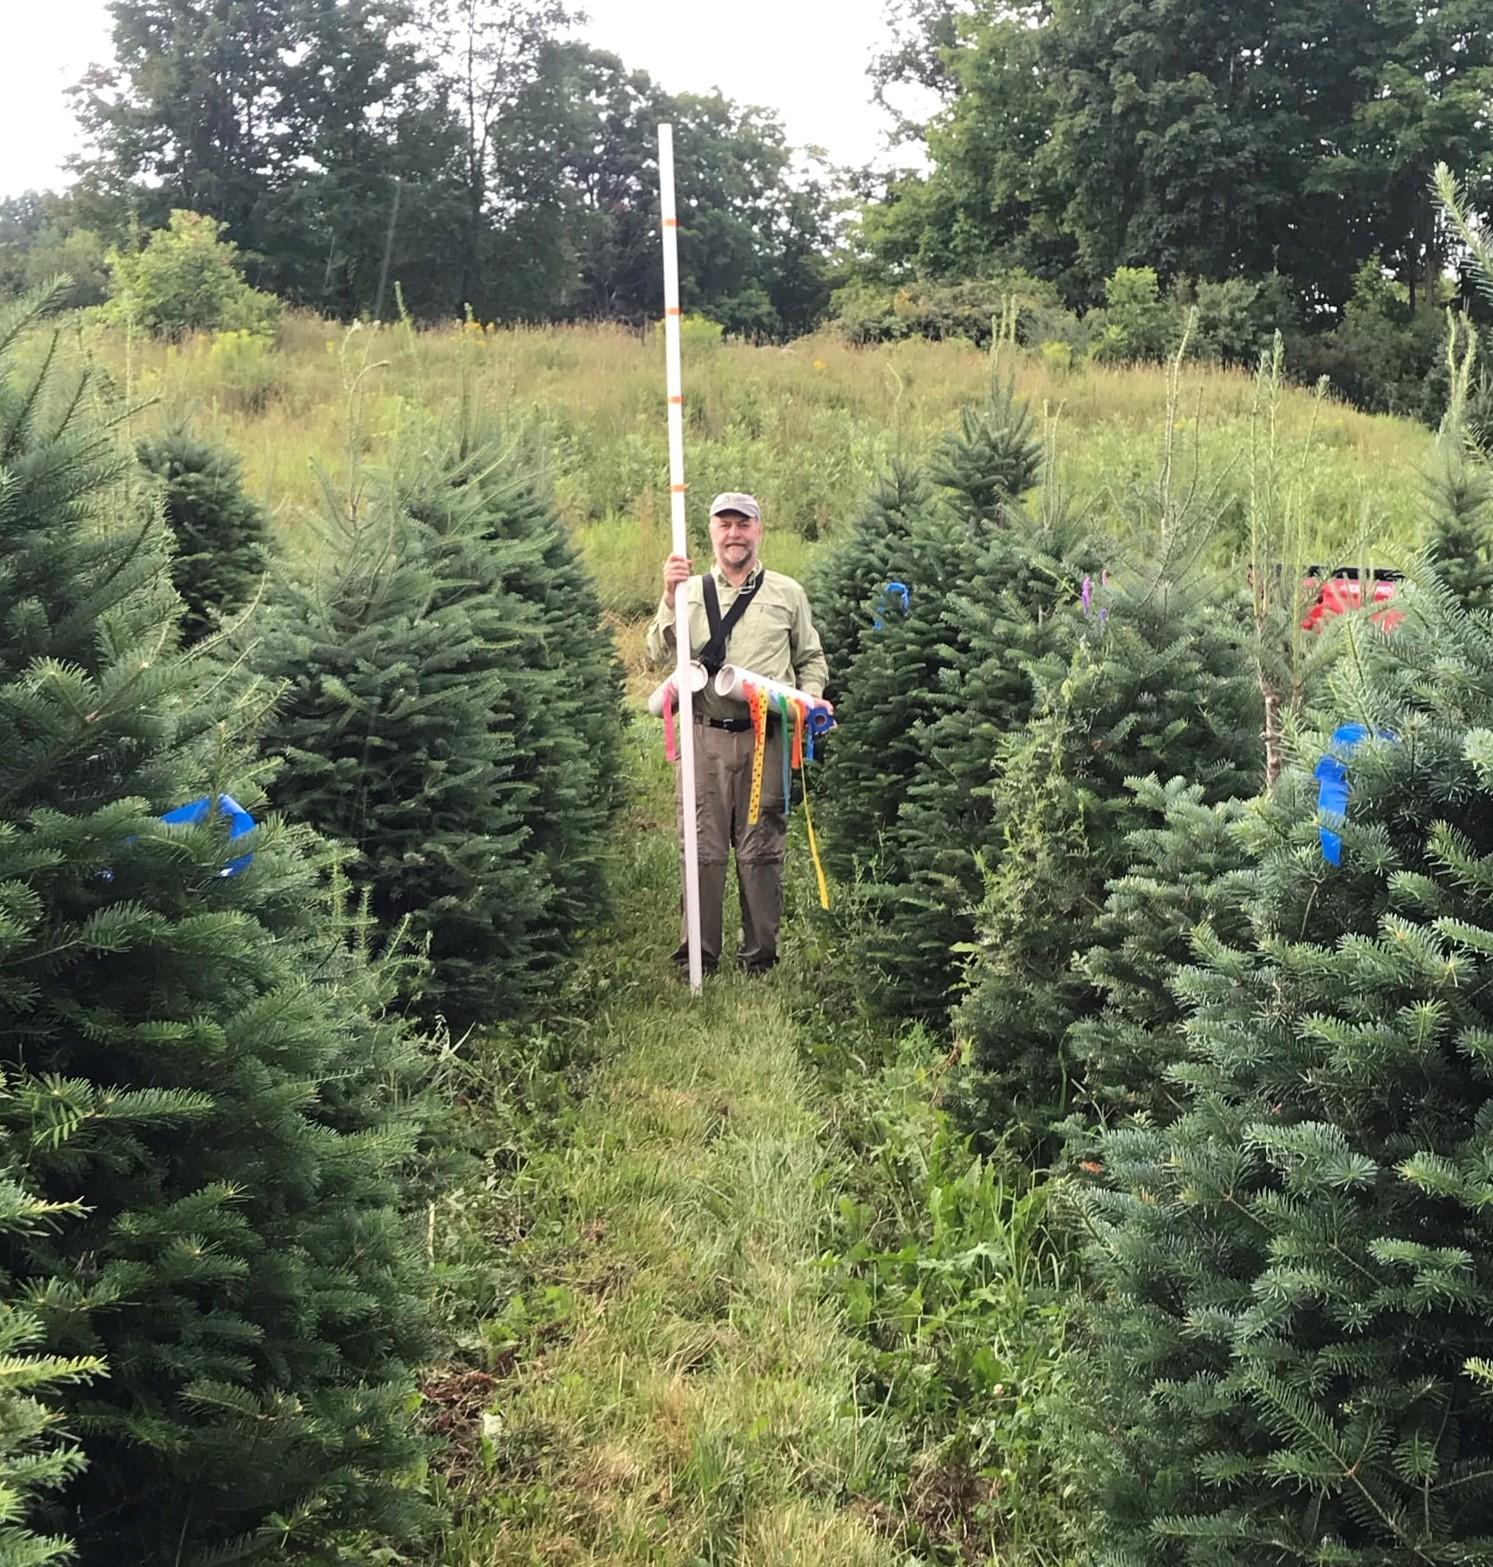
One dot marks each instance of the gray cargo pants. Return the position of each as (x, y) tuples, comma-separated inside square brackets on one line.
[(723, 791)]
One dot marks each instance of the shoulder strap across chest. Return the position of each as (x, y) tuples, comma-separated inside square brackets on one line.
[(713, 654)]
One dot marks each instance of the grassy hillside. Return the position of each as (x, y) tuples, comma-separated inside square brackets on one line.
[(806, 427)]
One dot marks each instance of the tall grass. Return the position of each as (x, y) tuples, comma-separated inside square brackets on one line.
[(806, 427)]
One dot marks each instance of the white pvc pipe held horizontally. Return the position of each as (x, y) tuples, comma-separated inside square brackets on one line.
[(699, 679), (732, 681), (683, 678)]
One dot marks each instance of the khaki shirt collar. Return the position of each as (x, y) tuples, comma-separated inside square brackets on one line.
[(723, 583)]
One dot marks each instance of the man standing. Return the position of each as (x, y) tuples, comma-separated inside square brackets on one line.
[(743, 614)]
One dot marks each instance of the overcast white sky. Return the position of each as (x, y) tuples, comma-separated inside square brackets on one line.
[(805, 58)]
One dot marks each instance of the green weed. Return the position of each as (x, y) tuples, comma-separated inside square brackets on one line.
[(963, 1296)]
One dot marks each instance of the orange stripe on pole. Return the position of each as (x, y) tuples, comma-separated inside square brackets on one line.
[(679, 399), (678, 489), (671, 223), (673, 310)]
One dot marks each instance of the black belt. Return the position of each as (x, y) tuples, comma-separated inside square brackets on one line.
[(735, 726)]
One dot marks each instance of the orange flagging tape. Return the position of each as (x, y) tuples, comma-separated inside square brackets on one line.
[(671, 223), (678, 489), (673, 310), (679, 400)]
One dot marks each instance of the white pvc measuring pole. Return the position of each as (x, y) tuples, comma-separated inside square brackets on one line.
[(683, 674)]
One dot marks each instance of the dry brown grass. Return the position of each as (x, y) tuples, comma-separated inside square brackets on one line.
[(807, 427)]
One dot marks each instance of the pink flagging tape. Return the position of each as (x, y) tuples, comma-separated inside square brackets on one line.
[(671, 749)]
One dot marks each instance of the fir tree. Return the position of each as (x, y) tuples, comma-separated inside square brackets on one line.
[(991, 459), (998, 625), (222, 536), (452, 710), (848, 586), (1174, 875), (1156, 682), (33, 1461), (982, 467), (885, 692), (927, 693), (402, 727), (1295, 1277), (1460, 541), (570, 738), (197, 1059), (1460, 493)]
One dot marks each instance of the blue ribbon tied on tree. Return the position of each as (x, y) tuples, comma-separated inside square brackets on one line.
[(239, 822), (1334, 786), (194, 813), (893, 593)]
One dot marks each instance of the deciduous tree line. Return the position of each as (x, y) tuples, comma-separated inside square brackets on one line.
[(1241, 139), (471, 151)]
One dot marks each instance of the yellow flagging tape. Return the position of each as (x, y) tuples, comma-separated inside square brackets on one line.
[(757, 701), (813, 841)]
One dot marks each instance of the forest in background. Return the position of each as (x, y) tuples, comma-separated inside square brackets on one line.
[(1105, 166)]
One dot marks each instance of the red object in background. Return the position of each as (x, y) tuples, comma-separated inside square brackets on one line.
[(1339, 594)]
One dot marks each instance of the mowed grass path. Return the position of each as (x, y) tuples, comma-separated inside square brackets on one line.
[(693, 1402)]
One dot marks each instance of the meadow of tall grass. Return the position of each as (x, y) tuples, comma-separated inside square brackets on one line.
[(807, 427)]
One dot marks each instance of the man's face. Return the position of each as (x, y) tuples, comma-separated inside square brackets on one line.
[(735, 538)]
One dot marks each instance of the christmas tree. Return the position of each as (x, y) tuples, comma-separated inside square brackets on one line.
[(194, 1056), (33, 1461), (885, 692), (1294, 1277), (1460, 492), (848, 589), (405, 727), (1157, 683), (1175, 869), (501, 540), (982, 467), (932, 683), (222, 536), (990, 459), (998, 625)]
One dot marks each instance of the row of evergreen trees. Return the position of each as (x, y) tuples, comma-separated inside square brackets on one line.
[(992, 720), (1262, 1078), (215, 1118)]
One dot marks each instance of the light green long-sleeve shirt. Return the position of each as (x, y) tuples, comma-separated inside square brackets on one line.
[(774, 638)]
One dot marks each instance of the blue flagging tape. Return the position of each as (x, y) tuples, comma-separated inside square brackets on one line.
[(898, 591), (239, 822), (820, 723), (195, 812), (1334, 786)]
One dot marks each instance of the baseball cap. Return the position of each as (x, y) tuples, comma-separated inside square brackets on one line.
[(736, 500)]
